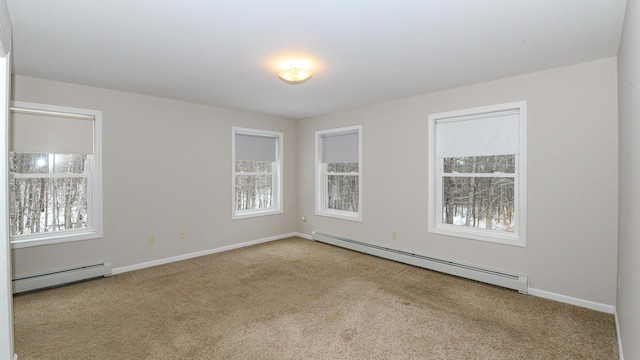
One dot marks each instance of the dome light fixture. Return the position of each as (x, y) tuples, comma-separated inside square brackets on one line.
[(294, 75)]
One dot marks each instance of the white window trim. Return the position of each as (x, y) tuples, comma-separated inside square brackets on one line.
[(435, 225), (94, 202), (277, 182), (321, 171)]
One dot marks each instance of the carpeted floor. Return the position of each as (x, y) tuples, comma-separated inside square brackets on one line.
[(298, 299)]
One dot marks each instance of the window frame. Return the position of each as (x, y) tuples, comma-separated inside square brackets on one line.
[(276, 174), (94, 229), (436, 174), (322, 175)]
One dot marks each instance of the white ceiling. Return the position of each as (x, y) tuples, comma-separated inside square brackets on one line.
[(227, 53)]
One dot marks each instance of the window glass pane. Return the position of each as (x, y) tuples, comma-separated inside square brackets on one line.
[(486, 202), (480, 164), (28, 163), (70, 163), (254, 192), (43, 163), (343, 193), (254, 166), (343, 167), (41, 205)]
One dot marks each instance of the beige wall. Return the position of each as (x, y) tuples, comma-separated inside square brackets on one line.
[(572, 178), (166, 168), (628, 300)]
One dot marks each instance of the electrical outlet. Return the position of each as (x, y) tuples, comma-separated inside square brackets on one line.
[(304, 219), (182, 234), (394, 235), (152, 239)]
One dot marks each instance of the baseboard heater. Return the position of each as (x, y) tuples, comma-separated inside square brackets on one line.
[(510, 281), (61, 277)]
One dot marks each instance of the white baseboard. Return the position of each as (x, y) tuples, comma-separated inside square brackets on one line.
[(144, 265), (304, 236), (615, 314), (609, 309)]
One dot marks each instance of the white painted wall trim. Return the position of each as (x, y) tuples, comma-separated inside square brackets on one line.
[(6, 30), (148, 264), (304, 236), (609, 309), (620, 349), (6, 294)]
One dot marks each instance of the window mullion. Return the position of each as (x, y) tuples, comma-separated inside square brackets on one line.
[(241, 173), (325, 182), (47, 176), (480, 175), (516, 195)]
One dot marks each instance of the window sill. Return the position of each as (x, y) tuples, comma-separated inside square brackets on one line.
[(480, 234), (256, 213), (344, 215), (26, 241)]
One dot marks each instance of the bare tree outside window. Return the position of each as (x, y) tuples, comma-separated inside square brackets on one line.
[(342, 187), (48, 192), (254, 184), (478, 191)]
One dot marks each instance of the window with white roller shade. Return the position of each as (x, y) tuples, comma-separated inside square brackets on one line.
[(55, 174), (257, 172), (338, 173), (477, 167)]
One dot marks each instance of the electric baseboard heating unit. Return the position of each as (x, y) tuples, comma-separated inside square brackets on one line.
[(61, 277), (509, 281)]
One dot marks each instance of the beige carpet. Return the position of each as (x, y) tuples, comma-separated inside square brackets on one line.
[(298, 299)]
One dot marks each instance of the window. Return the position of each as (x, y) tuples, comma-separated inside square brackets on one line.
[(55, 174), (477, 172), (338, 173), (257, 172)]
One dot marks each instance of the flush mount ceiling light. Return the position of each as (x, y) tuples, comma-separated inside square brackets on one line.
[(294, 75)]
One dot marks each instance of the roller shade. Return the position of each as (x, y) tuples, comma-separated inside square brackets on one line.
[(255, 147), (53, 133), (341, 148), (479, 135)]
